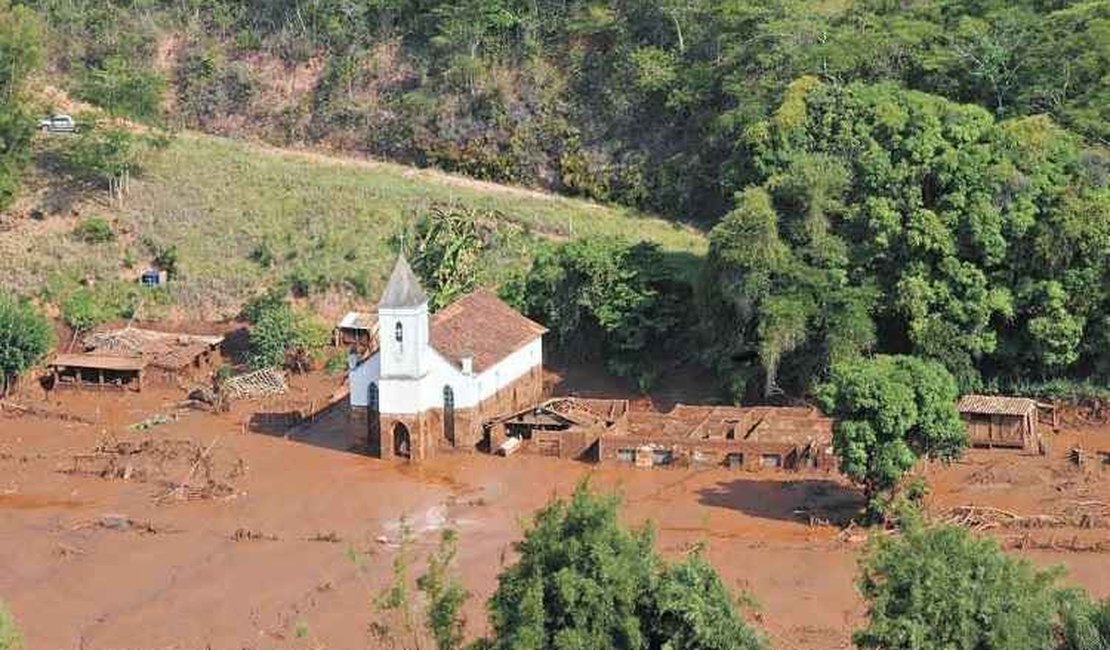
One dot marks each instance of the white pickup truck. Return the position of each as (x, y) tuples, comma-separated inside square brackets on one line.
[(60, 123)]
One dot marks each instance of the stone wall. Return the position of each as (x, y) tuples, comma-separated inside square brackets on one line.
[(426, 431)]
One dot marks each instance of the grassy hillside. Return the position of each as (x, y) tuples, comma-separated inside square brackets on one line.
[(243, 217)]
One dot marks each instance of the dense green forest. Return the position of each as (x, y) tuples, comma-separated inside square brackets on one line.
[(920, 177)]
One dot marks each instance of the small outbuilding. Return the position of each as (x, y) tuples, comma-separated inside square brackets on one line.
[(359, 331), (132, 357), (98, 371), (1001, 421)]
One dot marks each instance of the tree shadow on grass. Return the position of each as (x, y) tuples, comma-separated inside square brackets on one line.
[(809, 500)]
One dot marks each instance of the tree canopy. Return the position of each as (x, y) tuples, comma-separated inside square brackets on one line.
[(894, 220), (25, 337), (583, 581), (935, 587), (608, 298), (890, 411)]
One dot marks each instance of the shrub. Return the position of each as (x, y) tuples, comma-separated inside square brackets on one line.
[(122, 88), (165, 258), (10, 638), (273, 298), (943, 588), (25, 338), (285, 337), (584, 581), (85, 307), (94, 230)]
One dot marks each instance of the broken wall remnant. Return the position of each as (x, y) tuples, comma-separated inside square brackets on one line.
[(599, 430)]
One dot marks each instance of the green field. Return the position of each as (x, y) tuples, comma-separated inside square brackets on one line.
[(225, 204)]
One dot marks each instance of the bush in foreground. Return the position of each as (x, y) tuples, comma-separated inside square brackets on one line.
[(943, 588), (10, 639), (584, 581)]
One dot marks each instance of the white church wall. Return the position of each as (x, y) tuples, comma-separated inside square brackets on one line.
[(404, 358), (409, 396), (360, 377), (509, 369)]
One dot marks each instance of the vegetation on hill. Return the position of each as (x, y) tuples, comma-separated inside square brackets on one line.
[(236, 219), (924, 178), (895, 221), (643, 103), (21, 52)]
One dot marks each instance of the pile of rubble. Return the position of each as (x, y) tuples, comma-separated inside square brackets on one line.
[(183, 469)]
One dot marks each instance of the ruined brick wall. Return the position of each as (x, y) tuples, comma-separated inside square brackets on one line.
[(426, 430)]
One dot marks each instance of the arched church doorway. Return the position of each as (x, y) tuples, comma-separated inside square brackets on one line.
[(373, 418), (402, 443), (449, 414)]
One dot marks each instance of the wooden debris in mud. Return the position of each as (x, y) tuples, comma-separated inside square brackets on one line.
[(123, 523), (1074, 544), (250, 535), (260, 383), (330, 536), (1081, 514), (982, 518), (36, 411), (151, 460)]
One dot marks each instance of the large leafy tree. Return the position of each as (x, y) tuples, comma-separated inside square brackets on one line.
[(607, 296), (25, 338), (943, 588), (899, 219), (21, 52), (583, 581), (890, 411), (447, 250)]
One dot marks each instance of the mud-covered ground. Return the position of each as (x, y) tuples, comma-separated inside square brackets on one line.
[(102, 546)]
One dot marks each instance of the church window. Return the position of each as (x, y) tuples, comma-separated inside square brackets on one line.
[(398, 333), (449, 414)]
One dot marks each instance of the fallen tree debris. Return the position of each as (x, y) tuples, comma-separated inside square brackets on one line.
[(203, 473), (249, 534), (150, 422), (1081, 514), (1074, 544)]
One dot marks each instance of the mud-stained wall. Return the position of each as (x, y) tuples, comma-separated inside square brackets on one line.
[(426, 430), (684, 452)]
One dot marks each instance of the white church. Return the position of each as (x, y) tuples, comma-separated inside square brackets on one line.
[(426, 382)]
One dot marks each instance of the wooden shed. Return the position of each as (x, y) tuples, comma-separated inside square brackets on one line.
[(1000, 421), (97, 371)]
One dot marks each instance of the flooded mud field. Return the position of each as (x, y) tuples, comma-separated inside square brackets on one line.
[(133, 522)]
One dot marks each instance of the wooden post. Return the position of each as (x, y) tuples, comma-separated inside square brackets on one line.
[(100, 379), (140, 381)]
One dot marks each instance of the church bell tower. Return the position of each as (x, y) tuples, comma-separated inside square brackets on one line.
[(403, 325)]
